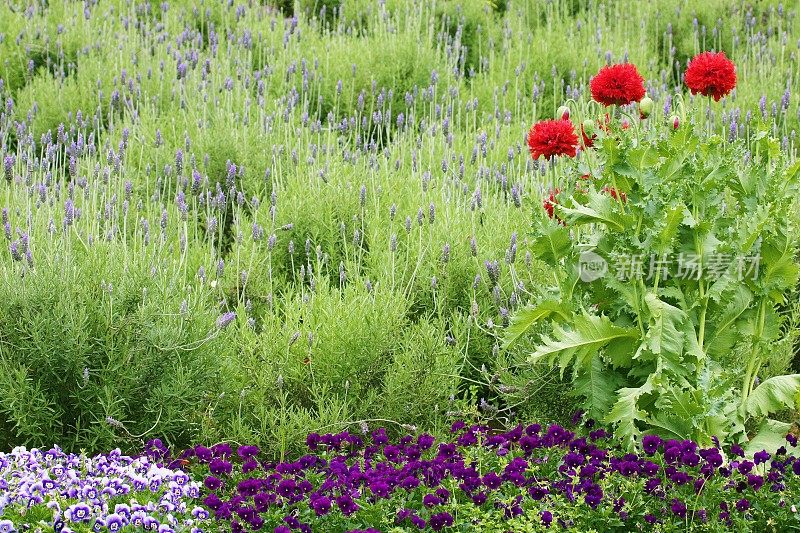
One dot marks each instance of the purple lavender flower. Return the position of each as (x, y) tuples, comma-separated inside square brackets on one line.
[(225, 319), (15, 252), (8, 167), (197, 181), (69, 213), (183, 208)]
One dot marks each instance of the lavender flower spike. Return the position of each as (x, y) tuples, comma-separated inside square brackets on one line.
[(224, 320)]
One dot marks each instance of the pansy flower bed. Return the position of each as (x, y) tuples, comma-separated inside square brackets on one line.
[(50, 490), (526, 479)]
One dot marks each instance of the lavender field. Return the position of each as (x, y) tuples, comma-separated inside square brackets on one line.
[(397, 265)]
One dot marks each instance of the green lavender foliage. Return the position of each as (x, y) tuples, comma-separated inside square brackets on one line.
[(85, 338)]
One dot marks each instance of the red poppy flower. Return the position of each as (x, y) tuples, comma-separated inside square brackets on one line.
[(552, 137), (617, 85), (711, 75), (550, 203), (588, 142), (616, 195)]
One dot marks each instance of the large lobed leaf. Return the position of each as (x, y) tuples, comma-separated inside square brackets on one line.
[(665, 335), (771, 436), (598, 385), (524, 319), (626, 412), (773, 395), (589, 333), (552, 245), (602, 208)]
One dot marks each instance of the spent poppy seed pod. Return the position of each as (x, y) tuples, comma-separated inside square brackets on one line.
[(562, 113), (675, 121), (645, 107)]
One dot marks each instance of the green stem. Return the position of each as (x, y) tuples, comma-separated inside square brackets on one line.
[(639, 309), (752, 364), (702, 327)]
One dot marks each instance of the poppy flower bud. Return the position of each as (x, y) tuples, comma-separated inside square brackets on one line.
[(645, 107), (588, 127), (562, 113), (675, 121)]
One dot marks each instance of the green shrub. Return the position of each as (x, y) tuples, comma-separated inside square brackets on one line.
[(86, 341)]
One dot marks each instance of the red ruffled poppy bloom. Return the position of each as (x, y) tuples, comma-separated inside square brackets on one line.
[(617, 85), (710, 74), (552, 137)]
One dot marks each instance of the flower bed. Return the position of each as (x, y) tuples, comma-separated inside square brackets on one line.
[(525, 479), (51, 490)]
